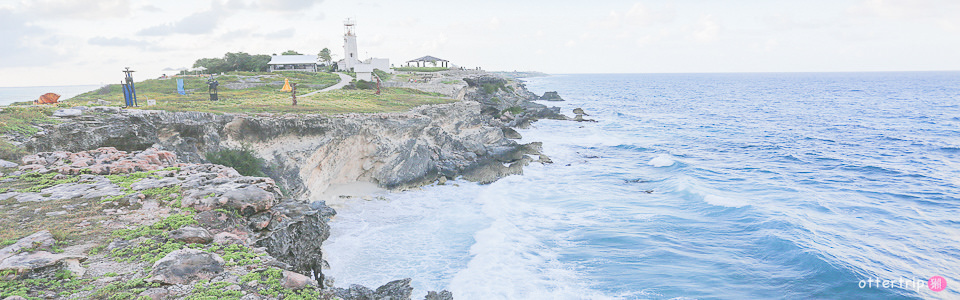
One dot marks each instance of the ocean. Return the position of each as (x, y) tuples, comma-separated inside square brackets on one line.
[(19, 94), (693, 186)]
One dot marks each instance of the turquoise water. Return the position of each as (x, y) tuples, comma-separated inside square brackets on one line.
[(19, 94), (694, 186)]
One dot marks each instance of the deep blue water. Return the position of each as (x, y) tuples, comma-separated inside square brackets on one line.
[(19, 94), (693, 186)]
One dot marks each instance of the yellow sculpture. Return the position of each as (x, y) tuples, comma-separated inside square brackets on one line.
[(286, 85)]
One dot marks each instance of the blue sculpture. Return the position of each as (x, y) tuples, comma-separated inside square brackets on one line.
[(129, 92), (180, 87)]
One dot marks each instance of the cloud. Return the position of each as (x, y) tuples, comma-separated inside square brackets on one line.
[(942, 13), (706, 29), (237, 34), (899, 9), (23, 44), (638, 15), (116, 42), (197, 23), (151, 8), (785, 22), (279, 34), (288, 5), (494, 23), (85, 9)]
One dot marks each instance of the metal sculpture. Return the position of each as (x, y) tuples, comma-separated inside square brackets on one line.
[(212, 85), (48, 98), (129, 91)]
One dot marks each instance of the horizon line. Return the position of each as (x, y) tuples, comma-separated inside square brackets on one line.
[(615, 73)]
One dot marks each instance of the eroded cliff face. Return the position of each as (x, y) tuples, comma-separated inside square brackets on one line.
[(307, 154)]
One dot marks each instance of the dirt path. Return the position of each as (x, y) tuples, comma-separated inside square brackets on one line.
[(344, 80)]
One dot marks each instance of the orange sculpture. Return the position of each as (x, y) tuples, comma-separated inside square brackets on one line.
[(286, 85), (48, 98)]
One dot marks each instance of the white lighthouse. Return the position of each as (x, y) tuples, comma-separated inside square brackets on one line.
[(351, 61), (350, 55)]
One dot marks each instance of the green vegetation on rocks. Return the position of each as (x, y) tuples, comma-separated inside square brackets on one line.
[(16, 119), (241, 160)]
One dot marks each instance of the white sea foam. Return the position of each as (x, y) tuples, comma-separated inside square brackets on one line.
[(479, 242), (662, 160), (722, 201)]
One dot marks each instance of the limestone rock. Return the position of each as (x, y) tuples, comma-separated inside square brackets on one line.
[(192, 234), (551, 96), (150, 183), (249, 200), (442, 295), (297, 238), (226, 238), (41, 240), (67, 112), (355, 292), (579, 118), (296, 281), (7, 164), (185, 266), (155, 293), (395, 290), (510, 133), (26, 261)]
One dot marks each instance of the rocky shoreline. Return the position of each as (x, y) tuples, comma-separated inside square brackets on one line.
[(140, 168)]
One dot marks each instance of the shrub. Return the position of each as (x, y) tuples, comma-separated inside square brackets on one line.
[(11, 152), (383, 75), (515, 110), (490, 88), (241, 160)]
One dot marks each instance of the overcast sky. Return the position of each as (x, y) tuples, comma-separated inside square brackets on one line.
[(66, 42)]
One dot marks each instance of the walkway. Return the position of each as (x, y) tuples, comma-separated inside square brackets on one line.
[(344, 80)]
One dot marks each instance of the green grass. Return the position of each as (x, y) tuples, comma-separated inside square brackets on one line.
[(17, 119), (165, 90), (421, 69), (269, 99)]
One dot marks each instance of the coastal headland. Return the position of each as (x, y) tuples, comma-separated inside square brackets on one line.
[(111, 203)]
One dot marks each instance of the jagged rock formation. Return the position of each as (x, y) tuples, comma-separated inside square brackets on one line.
[(309, 153), (222, 231), (551, 96), (508, 101), (306, 154)]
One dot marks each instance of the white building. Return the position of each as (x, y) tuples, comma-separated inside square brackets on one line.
[(351, 60), (293, 63), (364, 71)]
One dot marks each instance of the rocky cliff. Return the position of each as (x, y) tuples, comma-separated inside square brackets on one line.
[(142, 225), (307, 154)]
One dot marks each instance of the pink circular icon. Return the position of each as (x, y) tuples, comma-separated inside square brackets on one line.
[(937, 283)]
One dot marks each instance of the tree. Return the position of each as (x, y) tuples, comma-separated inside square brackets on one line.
[(290, 52), (239, 61), (325, 55)]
